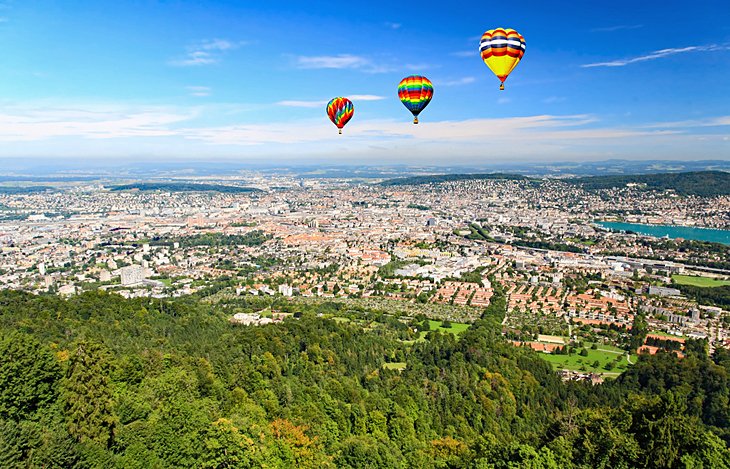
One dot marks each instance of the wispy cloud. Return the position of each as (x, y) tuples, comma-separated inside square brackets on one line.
[(344, 61), (391, 25), (366, 97), (497, 133), (621, 27), (332, 61), (89, 122), (466, 53), (323, 102), (199, 91), (554, 99), (107, 130), (659, 54), (301, 103), (206, 53), (456, 82), (720, 121)]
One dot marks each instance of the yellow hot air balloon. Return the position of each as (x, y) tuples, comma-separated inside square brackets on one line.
[(502, 50)]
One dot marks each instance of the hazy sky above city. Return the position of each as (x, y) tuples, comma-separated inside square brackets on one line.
[(229, 79)]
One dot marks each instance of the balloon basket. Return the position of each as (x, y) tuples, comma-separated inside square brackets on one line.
[(340, 131), (501, 86), (415, 120)]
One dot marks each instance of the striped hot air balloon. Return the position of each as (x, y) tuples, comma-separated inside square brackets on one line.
[(340, 111), (502, 49), (415, 92)]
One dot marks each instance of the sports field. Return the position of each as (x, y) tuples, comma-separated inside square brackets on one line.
[(699, 281)]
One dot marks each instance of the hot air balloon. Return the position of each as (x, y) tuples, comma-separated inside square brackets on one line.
[(340, 111), (502, 50), (415, 92)]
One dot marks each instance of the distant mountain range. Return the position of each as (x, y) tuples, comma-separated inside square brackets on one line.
[(84, 170)]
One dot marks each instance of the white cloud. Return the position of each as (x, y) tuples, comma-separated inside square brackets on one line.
[(108, 130), (89, 122), (343, 61), (621, 27), (198, 91), (323, 102), (720, 121), (207, 52), (365, 97), (218, 44), (332, 61), (467, 53), (393, 25), (457, 82), (658, 55), (299, 103)]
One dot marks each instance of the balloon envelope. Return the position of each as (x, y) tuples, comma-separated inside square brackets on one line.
[(415, 92), (502, 49), (340, 111)]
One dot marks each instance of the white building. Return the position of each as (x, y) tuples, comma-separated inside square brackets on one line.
[(132, 274), (286, 290)]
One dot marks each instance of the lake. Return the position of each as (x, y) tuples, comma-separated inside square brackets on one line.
[(684, 232)]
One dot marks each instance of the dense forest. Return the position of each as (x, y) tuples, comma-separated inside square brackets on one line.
[(183, 187), (439, 178), (699, 183), (715, 296), (24, 189), (252, 238), (97, 380)]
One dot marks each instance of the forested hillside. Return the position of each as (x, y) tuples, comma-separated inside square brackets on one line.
[(699, 183), (183, 187), (101, 381), (439, 178)]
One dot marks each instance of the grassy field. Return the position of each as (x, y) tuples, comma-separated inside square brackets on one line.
[(456, 328), (699, 281), (604, 354)]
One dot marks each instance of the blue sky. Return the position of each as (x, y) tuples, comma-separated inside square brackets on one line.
[(235, 80)]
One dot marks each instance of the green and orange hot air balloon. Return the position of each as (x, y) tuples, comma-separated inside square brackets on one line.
[(340, 111), (502, 49), (415, 92)]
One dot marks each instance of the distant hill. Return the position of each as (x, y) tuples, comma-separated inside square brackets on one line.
[(699, 183), (183, 187), (24, 190), (439, 178)]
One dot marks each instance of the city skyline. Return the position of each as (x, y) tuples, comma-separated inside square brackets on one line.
[(227, 81)]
